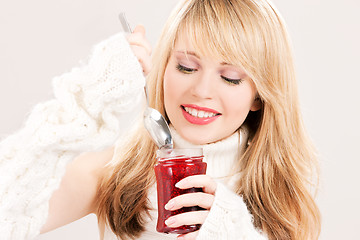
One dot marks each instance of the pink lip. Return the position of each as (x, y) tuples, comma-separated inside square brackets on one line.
[(200, 108), (196, 120)]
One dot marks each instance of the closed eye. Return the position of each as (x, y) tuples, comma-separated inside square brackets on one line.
[(184, 69), (232, 81)]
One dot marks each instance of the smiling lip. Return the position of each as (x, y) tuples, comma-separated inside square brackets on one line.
[(213, 115)]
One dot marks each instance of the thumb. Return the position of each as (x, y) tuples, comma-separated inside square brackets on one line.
[(140, 29)]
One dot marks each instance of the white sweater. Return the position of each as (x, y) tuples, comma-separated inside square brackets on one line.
[(228, 218), (85, 116)]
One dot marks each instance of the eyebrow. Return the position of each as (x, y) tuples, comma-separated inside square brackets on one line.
[(196, 55), (189, 53)]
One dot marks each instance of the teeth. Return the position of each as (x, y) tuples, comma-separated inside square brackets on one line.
[(199, 114), (194, 112)]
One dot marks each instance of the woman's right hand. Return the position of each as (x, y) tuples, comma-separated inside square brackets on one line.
[(141, 47)]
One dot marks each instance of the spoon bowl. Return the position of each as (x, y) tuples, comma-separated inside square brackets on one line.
[(158, 128)]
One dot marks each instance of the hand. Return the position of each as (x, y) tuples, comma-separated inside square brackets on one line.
[(203, 199), (141, 47)]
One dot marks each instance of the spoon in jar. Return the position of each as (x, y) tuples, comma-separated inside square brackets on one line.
[(154, 122)]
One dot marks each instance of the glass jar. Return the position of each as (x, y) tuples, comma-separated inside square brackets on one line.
[(172, 166)]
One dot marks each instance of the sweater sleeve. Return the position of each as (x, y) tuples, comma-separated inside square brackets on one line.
[(83, 116), (229, 218)]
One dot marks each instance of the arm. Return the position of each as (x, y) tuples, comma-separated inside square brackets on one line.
[(85, 115), (75, 196)]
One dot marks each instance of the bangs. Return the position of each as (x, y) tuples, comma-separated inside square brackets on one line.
[(211, 31)]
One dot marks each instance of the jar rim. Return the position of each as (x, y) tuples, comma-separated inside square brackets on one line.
[(170, 153)]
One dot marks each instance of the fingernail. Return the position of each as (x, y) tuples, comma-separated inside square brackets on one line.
[(170, 221), (180, 183), (170, 205)]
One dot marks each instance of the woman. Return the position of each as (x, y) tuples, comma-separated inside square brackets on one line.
[(223, 77)]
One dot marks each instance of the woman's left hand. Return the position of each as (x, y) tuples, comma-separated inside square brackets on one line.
[(203, 199)]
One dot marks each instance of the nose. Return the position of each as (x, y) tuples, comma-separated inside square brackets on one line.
[(203, 86)]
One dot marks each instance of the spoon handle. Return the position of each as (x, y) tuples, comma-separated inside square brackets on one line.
[(125, 24)]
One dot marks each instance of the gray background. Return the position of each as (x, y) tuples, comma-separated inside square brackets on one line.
[(40, 39)]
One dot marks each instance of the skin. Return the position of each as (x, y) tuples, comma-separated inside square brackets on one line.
[(206, 82), (205, 87), (75, 196)]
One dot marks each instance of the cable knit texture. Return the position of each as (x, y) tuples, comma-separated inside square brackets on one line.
[(229, 219), (84, 116)]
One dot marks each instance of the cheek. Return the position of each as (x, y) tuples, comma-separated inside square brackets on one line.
[(238, 103), (170, 88)]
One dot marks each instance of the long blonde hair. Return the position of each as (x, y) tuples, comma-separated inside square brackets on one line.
[(277, 168)]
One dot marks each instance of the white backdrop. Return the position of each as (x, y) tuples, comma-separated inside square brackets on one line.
[(40, 39)]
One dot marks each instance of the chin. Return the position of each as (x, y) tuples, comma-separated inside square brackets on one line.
[(197, 138)]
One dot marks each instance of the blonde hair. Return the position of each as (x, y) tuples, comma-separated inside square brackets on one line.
[(279, 164)]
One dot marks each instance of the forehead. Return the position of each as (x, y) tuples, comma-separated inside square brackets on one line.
[(185, 45), (196, 44)]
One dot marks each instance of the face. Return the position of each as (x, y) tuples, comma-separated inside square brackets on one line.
[(205, 99)]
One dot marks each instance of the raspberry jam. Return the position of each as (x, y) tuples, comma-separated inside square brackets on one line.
[(172, 166)]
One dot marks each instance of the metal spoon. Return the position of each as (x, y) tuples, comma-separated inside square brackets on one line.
[(154, 122)]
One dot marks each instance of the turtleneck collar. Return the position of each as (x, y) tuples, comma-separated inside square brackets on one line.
[(221, 156)]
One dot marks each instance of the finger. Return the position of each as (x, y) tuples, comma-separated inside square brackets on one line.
[(143, 58), (200, 199), (187, 218), (139, 40), (137, 37), (140, 29), (189, 236), (199, 181)]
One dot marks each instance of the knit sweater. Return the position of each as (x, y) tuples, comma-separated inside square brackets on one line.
[(228, 217), (84, 116)]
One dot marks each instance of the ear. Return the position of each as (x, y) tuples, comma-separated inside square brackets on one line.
[(256, 105)]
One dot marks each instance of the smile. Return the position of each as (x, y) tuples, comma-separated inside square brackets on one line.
[(199, 115)]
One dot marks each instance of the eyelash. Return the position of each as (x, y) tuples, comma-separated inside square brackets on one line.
[(232, 81), (187, 70), (184, 69)]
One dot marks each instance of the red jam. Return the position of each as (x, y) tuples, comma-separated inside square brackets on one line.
[(169, 171)]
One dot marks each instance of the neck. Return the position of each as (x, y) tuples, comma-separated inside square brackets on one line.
[(222, 156)]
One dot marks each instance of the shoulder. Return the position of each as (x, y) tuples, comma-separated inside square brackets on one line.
[(83, 175), (88, 166)]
